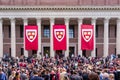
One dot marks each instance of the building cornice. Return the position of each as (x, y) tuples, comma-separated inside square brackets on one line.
[(59, 7)]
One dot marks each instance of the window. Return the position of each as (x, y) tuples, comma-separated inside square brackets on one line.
[(22, 51), (96, 53), (10, 51), (112, 31), (96, 31), (109, 32), (71, 32), (115, 30), (46, 32), (9, 31), (21, 31)]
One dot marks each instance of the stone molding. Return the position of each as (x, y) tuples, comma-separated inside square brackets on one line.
[(59, 7), (81, 12)]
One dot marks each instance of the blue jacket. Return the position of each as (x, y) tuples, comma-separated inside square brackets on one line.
[(3, 76)]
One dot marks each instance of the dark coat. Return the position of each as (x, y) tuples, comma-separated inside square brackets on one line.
[(36, 78), (76, 77), (117, 75)]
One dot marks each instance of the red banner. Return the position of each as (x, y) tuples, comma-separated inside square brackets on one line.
[(31, 37), (59, 37), (87, 39)]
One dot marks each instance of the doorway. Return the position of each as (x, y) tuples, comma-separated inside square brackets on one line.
[(84, 53), (71, 51), (46, 51), (59, 54), (34, 53)]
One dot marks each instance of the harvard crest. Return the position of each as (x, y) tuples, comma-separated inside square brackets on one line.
[(59, 34), (87, 34), (31, 34)]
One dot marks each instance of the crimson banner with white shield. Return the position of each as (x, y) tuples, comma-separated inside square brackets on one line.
[(31, 37), (87, 37), (59, 37)]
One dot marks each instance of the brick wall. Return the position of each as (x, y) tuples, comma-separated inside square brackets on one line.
[(59, 2)]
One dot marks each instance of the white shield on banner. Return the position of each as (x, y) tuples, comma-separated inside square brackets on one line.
[(87, 34), (59, 34), (31, 34)]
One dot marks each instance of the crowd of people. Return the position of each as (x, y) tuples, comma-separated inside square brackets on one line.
[(74, 68)]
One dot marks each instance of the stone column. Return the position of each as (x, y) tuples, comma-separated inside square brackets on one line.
[(118, 38), (79, 37), (67, 37), (25, 22), (106, 39), (52, 53), (93, 53), (13, 38), (39, 36), (1, 39)]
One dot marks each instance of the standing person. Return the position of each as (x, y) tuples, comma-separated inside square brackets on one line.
[(93, 76), (23, 75), (2, 75), (11, 77), (63, 75), (17, 76), (75, 76), (35, 76), (117, 74), (111, 77), (85, 75), (52, 75)]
